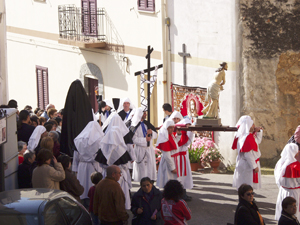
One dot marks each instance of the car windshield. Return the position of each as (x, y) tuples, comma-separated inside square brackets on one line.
[(19, 219)]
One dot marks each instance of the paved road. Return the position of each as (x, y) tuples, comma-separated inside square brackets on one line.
[(214, 199)]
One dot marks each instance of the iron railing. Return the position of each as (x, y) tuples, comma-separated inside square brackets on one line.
[(77, 24)]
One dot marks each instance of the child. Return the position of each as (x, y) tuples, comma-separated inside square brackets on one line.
[(95, 178)]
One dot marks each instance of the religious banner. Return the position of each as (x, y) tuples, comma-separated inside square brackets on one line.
[(190, 101)]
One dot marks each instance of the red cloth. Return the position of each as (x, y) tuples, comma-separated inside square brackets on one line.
[(184, 138), (180, 209), (182, 160), (255, 175), (234, 144), (249, 144), (292, 170), (91, 196), (168, 145), (21, 159)]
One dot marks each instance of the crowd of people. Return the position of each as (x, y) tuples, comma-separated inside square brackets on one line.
[(95, 161)]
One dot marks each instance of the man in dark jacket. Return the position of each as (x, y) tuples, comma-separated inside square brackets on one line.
[(289, 208), (25, 170)]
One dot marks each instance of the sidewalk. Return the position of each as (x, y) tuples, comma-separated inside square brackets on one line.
[(215, 200)]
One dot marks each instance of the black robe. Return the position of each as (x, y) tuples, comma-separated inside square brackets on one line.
[(77, 114), (123, 114)]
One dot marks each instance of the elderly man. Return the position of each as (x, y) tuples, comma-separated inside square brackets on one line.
[(109, 199), (125, 109), (49, 106)]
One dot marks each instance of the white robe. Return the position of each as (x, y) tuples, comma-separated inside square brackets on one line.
[(145, 163), (125, 183), (186, 180), (84, 168), (285, 192), (166, 165), (245, 164)]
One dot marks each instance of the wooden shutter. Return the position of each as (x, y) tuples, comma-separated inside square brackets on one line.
[(89, 17), (42, 86), (146, 5)]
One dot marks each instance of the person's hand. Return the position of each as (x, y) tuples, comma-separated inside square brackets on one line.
[(54, 159), (153, 217), (257, 129), (148, 138), (149, 131), (139, 211), (256, 170), (174, 171)]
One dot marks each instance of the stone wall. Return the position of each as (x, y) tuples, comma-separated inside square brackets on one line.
[(270, 70)]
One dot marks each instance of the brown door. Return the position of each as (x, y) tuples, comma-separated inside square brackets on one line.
[(89, 17), (93, 86)]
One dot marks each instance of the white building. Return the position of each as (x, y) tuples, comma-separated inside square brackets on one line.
[(47, 49)]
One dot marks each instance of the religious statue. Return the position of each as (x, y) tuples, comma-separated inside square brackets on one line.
[(213, 91), (192, 109)]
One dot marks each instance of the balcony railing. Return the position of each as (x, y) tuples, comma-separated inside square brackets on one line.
[(87, 29)]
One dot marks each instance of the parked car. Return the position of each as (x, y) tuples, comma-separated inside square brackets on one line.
[(41, 207)]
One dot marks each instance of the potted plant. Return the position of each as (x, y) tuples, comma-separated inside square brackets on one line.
[(212, 155), (157, 157), (195, 151)]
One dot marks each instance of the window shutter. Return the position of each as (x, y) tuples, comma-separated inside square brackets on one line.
[(89, 17), (42, 86), (146, 5)]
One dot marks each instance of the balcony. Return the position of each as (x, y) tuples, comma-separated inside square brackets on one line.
[(87, 28)]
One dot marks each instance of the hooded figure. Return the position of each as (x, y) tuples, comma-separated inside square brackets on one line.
[(35, 138), (109, 108), (247, 170), (87, 144), (170, 160), (114, 151), (185, 173), (77, 114), (145, 163), (287, 177), (124, 113), (296, 137)]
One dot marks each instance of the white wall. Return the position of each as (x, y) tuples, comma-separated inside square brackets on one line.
[(208, 30), (136, 29), (3, 73)]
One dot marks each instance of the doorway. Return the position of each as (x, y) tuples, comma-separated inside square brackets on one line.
[(92, 89)]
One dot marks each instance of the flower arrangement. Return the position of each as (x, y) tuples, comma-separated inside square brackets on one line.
[(211, 151), (195, 150), (157, 155)]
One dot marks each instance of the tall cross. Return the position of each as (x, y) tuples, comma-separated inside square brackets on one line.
[(184, 55), (148, 70)]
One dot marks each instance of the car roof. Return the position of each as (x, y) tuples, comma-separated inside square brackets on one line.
[(27, 201)]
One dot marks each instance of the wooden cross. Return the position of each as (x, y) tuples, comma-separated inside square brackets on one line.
[(148, 70), (184, 55)]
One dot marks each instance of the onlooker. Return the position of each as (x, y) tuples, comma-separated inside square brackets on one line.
[(42, 120), (70, 184), (96, 177), (22, 146), (28, 108), (146, 204), (44, 175), (52, 113), (109, 199), (39, 113), (49, 106), (24, 129), (48, 126), (34, 120), (289, 209), (25, 170), (47, 143), (54, 123), (56, 148), (13, 104), (167, 110), (60, 113), (247, 211), (37, 109), (174, 209)]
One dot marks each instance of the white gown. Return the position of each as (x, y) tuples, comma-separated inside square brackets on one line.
[(185, 175), (245, 163), (125, 183), (85, 166), (166, 165), (285, 192), (145, 163)]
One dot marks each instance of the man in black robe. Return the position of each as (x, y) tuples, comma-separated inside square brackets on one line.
[(77, 114)]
